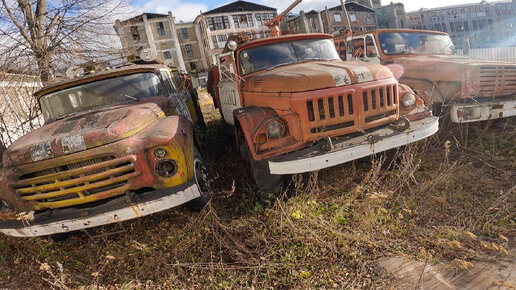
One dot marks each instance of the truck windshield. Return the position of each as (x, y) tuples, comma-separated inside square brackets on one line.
[(276, 54), (415, 42), (101, 93)]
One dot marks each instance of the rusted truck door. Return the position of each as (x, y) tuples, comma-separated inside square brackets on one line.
[(362, 48), (228, 87)]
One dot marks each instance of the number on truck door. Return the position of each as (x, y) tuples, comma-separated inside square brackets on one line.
[(228, 87)]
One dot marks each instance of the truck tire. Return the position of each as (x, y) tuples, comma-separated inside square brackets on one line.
[(271, 186), (203, 182)]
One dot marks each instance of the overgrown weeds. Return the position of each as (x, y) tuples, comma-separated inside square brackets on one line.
[(444, 200)]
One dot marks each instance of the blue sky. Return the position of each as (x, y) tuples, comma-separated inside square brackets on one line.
[(187, 10)]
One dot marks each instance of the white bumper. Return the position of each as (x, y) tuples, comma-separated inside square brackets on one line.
[(311, 159), (130, 211), (467, 113)]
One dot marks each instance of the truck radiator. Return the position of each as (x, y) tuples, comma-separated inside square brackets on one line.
[(379, 103), (77, 183), (352, 109), (495, 81)]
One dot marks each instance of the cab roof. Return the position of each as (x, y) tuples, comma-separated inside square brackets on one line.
[(383, 30), (288, 37), (98, 76)]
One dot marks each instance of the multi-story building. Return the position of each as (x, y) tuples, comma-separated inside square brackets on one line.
[(194, 56), (309, 22), (151, 30), (391, 16), (237, 17), (486, 24), (360, 18)]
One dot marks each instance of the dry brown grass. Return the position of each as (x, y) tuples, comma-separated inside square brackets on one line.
[(445, 200)]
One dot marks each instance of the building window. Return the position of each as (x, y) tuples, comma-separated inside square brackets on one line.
[(337, 17), (167, 55), (135, 33), (189, 51), (160, 28), (184, 32), (352, 17), (219, 41), (193, 66), (218, 23), (399, 12), (222, 39), (262, 18), (243, 20), (214, 41), (313, 25)]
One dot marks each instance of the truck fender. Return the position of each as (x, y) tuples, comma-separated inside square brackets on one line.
[(426, 90), (250, 120)]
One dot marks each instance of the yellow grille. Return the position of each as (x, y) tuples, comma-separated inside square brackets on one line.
[(77, 183)]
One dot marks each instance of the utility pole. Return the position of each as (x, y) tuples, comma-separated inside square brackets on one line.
[(348, 23)]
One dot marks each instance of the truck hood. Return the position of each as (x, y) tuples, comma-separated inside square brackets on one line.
[(81, 132), (312, 76), (467, 77), (443, 67)]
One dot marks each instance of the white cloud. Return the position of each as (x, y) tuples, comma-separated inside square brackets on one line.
[(182, 10), (318, 5), (188, 10)]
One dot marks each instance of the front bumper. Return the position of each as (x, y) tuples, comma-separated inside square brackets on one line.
[(482, 111), (352, 148), (114, 211)]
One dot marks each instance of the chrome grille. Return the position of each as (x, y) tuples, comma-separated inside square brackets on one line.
[(493, 81)]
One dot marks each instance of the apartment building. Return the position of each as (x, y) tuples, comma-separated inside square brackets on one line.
[(485, 24), (391, 16), (151, 30), (237, 17), (309, 22), (194, 56), (360, 18)]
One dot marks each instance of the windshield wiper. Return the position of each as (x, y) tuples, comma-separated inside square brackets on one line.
[(310, 59), (442, 50), (67, 115), (129, 97), (278, 65)]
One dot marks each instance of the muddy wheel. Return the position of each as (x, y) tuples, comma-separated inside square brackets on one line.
[(271, 186), (202, 180)]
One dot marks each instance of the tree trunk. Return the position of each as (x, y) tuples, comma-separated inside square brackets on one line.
[(46, 68)]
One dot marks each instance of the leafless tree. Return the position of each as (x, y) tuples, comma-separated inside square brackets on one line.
[(42, 38), (48, 32)]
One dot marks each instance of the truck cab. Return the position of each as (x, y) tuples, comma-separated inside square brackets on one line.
[(296, 107), (116, 145), (473, 90)]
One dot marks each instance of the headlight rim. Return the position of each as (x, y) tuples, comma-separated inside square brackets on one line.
[(408, 100), (282, 131)]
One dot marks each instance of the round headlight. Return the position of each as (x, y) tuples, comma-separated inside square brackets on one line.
[(232, 45), (409, 100), (166, 168), (275, 129), (160, 152)]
